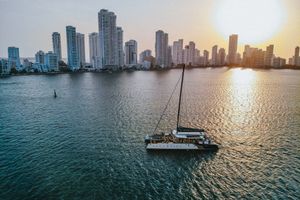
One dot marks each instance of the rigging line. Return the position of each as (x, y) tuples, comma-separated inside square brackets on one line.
[(166, 106)]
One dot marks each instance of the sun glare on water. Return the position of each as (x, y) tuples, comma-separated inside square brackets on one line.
[(255, 21)]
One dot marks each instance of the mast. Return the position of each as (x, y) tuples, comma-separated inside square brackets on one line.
[(180, 96)]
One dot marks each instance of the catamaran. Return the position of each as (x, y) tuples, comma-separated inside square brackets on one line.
[(181, 138)]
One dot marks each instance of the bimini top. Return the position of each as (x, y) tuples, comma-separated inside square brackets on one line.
[(191, 135), (185, 129)]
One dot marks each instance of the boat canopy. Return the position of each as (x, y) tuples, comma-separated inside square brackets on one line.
[(185, 129)]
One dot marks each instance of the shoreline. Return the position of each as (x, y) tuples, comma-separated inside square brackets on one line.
[(157, 69)]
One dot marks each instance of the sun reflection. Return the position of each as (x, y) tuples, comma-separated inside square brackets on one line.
[(242, 95), (243, 76)]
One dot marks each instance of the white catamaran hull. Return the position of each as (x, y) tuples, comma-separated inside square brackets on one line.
[(172, 146)]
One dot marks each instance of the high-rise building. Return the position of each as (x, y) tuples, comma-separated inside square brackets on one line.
[(296, 57), (177, 54), (80, 45), (278, 62), (144, 55), (95, 59), (120, 51), (269, 55), (232, 49), (186, 54), (197, 57), (109, 37), (131, 52), (14, 58), (192, 48), (51, 61), (4, 68), (146, 59), (40, 57), (214, 55), (169, 56), (253, 57), (206, 57), (73, 60), (161, 49), (56, 43), (221, 57)]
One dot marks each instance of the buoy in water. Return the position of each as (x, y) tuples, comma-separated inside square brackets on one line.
[(55, 95)]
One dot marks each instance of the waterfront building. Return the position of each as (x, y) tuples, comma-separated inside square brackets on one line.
[(238, 58), (169, 56), (131, 52), (149, 62), (191, 54), (40, 57), (221, 57), (296, 57), (206, 57), (120, 51), (197, 57), (144, 55), (291, 61), (162, 49), (269, 55), (94, 47), (111, 40), (4, 67), (80, 45), (56, 43), (14, 58), (177, 54), (27, 65), (73, 61), (186, 55), (214, 55), (253, 57), (278, 62), (232, 49), (51, 61)]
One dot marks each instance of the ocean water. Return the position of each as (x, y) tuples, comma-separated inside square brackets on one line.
[(89, 142)]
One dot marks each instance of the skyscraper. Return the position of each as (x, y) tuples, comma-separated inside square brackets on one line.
[(56, 43), (192, 48), (95, 59), (214, 55), (232, 49), (120, 51), (221, 57), (40, 57), (80, 45), (108, 39), (296, 57), (206, 57), (14, 58), (269, 55), (177, 52), (169, 57), (131, 52), (73, 60), (161, 48)]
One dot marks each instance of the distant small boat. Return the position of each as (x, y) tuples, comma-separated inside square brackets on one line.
[(55, 95)]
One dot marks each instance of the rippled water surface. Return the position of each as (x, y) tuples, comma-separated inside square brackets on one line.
[(88, 143)]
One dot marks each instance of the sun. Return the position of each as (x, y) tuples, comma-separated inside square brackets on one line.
[(255, 21)]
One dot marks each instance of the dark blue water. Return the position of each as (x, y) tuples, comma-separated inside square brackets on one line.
[(88, 142)]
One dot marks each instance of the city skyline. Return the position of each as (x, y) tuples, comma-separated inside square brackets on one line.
[(204, 34)]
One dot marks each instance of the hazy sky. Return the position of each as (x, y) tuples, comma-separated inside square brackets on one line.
[(28, 24)]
